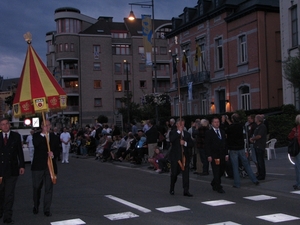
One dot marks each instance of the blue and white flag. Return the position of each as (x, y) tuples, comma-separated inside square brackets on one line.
[(190, 91)]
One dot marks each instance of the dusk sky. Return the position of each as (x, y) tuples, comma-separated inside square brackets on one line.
[(18, 17)]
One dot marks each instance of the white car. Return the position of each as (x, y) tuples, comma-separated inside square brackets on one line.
[(26, 153)]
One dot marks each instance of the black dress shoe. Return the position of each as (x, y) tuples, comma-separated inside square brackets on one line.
[(172, 193), (188, 194), (8, 221), (221, 191), (35, 210), (47, 214)]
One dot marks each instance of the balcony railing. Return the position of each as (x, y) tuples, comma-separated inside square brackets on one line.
[(71, 90), (70, 72), (197, 78)]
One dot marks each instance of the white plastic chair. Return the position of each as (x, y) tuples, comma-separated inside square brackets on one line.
[(270, 147)]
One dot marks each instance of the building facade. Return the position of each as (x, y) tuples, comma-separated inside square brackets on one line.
[(228, 57), (289, 25), (96, 60)]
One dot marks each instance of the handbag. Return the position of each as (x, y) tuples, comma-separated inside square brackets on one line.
[(293, 147)]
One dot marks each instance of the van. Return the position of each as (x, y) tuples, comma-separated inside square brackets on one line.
[(24, 133)]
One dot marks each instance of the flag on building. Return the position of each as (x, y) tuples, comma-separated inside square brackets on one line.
[(190, 91), (184, 61), (174, 65), (147, 37), (197, 54)]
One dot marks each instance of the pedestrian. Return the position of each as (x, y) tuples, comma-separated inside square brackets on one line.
[(215, 147), (237, 152), (259, 144), (12, 164), (181, 144), (295, 133), (40, 171), (30, 145), (65, 139)]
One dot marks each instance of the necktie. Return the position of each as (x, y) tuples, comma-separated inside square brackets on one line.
[(219, 136), (5, 139)]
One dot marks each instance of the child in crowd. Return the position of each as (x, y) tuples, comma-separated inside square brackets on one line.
[(154, 160)]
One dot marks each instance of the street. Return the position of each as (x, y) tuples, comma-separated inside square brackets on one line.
[(92, 192)]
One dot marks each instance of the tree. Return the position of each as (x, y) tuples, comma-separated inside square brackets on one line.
[(291, 69), (102, 119)]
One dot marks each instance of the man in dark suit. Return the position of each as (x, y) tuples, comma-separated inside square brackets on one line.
[(180, 155), (39, 167), (12, 164), (215, 146)]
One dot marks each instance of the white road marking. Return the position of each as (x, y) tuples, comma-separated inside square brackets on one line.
[(296, 192), (278, 217), (260, 197), (69, 222), (170, 209), (225, 223), (218, 202), (132, 205), (121, 216)]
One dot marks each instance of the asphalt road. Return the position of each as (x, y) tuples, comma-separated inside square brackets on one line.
[(103, 193)]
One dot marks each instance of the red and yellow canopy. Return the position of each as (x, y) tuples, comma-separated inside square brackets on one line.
[(37, 91)]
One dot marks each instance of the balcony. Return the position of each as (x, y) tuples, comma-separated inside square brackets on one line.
[(70, 72), (70, 90), (197, 78), (72, 109)]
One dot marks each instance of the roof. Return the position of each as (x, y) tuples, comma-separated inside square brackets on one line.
[(8, 84)]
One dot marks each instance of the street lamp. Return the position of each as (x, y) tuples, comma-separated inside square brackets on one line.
[(127, 92), (131, 17)]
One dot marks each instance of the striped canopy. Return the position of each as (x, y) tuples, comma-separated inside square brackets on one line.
[(37, 91)]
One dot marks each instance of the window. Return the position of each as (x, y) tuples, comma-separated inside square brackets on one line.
[(200, 9), (66, 47), (119, 34), (61, 47), (96, 51), (141, 50), (242, 49), (245, 97), (294, 18), (163, 50), (117, 67), (142, 67), (97, 84), (68, 26), (121, 49), (219, 53), (143, 84), (155, 50), (72, 47), (118, 103), (204, 107), (188, 108), (118, 85), (97, 66), (216, 3), (125, 66), (97, 102)]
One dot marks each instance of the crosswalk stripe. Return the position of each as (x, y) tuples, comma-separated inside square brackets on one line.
[(278, 217), (260, 197), (218, 202), (225, 223), (69, 222), (132, 205), (170, 209), (121, 216)]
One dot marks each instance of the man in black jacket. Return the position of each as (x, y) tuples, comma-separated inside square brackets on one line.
[(180, 155), (39, 167), (235, 144), (215, 147), (12, 164)]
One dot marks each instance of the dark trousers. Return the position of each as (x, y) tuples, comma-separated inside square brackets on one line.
[(260, 157), (204, 160), (7, 196), (39, 178), (175, 171), (218, 171)]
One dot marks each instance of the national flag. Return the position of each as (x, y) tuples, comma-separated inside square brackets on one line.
[(190, 91), (198, 54), (184, 61)]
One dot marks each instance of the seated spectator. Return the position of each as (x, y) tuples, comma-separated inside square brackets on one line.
[(120, 147), (131, 143), (154, 160), (139, 151), (106, 149)]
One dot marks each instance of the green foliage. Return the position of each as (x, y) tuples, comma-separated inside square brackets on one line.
[(102, 119), (135, 112), (291, 69)]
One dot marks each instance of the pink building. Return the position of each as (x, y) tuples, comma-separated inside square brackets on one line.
[(240, 62)]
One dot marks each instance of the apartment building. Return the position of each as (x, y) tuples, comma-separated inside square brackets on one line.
[(96, 60), (237, 64), (289, 25)]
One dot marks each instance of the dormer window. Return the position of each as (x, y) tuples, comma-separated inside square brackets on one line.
[(186, 14), (200, 9)]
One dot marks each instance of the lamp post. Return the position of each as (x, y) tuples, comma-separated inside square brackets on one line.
[(127, 92), (131, 16)]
